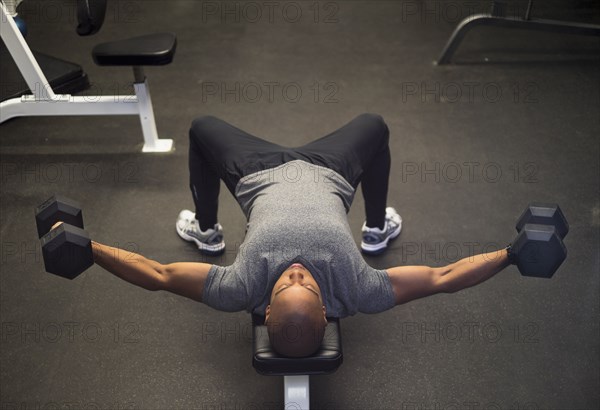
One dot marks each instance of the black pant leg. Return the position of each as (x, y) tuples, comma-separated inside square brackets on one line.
[(218, 150), (359, 151)]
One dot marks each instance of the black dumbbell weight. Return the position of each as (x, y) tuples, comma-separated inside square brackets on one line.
[(538, 249), (57, 208), (67, 249)]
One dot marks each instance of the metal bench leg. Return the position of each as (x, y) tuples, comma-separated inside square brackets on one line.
[(151, 141), (459, 33), (470, 22), (296, 392)]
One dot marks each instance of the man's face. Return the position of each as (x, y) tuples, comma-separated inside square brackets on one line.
[(296, 284)]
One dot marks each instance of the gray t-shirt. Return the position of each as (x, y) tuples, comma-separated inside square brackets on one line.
[(297, 213)]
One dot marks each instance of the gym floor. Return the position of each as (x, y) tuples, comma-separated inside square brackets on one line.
[(514, 120)]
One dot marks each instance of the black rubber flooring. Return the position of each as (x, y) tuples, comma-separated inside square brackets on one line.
[(514, 120)]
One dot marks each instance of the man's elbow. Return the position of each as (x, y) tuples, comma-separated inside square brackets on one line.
[(162, 278), (443, 280)]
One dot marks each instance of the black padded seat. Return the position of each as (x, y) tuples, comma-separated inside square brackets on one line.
[(326, 360), (149, 50), (64, 77)]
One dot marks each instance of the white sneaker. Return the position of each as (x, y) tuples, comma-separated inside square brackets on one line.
[(375, 240), (209, 242)]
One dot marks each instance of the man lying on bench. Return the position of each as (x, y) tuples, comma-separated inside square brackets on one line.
[(298, 262)]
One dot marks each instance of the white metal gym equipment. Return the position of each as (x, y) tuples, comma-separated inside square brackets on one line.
[(154, 49)]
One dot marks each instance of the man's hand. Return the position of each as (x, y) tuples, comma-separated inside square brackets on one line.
[(414, 282)]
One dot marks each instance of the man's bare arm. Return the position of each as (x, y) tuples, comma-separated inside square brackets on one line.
[(414, 282), (182, 278)]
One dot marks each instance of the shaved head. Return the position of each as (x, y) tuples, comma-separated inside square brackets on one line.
[(295, 318)]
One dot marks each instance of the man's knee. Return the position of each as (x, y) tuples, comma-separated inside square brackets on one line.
[(374, 125), (369, 117), (203, 126)]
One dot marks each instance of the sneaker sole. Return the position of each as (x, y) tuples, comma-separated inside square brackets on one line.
[(381, 246), (214, 250)]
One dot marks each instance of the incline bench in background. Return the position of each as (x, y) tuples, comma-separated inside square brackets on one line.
[(149, 50), (497, 17)]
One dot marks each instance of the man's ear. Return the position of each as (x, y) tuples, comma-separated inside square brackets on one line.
[(267, 313)]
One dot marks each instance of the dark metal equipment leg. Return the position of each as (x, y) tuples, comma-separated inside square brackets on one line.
[(492, 19)]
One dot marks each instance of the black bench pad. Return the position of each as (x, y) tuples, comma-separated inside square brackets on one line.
[(151, 49), (326, 360)]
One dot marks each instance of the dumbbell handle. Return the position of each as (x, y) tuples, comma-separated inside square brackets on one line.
[(512, 256)]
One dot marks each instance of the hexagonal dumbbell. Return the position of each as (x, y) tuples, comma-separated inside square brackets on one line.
[(57, 208), (67, 249), (538, 249)]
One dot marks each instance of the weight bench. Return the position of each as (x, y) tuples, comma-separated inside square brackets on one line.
[(497, 17), (296, 371), (149, 50)]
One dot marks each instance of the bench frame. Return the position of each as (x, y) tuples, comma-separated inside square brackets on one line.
[(296, 392), (296, 372), (497, 18), (44, 102)]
